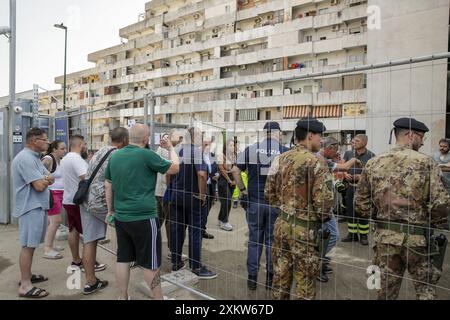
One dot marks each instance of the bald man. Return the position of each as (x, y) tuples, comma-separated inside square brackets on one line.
[(130, 195)]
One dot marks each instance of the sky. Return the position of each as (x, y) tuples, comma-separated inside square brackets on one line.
[(93, 25)]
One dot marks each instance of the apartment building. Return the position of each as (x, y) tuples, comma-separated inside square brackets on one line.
[(214, 48)]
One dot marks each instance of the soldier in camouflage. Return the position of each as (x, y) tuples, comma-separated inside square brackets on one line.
[(301, 186), (403, 191)]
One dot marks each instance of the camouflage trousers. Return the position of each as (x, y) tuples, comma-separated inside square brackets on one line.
[(293, 259), (394, 260)]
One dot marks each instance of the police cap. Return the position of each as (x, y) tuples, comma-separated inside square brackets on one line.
[(410, 124), (272, 125), (311, 125)]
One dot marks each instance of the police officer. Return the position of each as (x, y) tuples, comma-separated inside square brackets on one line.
[(404, 192), (256, 160), (301, 186)]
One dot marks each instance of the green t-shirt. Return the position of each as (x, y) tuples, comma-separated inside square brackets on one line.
[(133, 172)]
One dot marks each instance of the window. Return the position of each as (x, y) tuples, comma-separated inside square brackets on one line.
[(323, 38), (226, 116), (227, 8), (205, 78), (323, 62), (187, 61), (186, 100), (169, 118), (234, 96), (268, 115), (268, 93), (308, 64), (323, 11), (308, 38), (355, 58)]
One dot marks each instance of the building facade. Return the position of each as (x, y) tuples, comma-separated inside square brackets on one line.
[(223, 44)]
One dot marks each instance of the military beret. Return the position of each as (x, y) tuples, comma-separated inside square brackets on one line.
[(311, 125), (410, 124), (272, 125)]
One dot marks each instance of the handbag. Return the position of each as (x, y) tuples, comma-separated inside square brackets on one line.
[(83, 187), (50, 201)]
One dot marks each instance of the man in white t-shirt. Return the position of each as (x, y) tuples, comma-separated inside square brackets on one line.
[(74, 168)]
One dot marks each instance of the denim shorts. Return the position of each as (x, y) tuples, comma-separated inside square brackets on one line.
[(32, 228)]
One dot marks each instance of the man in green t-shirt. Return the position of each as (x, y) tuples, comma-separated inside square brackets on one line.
[(130, 194)]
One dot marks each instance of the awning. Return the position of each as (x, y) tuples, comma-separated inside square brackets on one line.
[(328, 111), (293, 112)]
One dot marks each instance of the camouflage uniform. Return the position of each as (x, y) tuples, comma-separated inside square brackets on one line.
[(403, 186), (301, 186)]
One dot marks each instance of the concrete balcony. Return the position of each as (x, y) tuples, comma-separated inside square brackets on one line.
[(187, 10), (139, 27), (345, 42), (95, 56), (115, 97), (259, 9), (147, 40), (303, 99), (354, 13), (119, 64)]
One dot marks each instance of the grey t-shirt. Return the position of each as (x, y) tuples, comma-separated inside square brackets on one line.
[(443, 160), (27, 168)]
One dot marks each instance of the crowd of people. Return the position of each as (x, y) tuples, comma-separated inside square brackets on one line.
[(293, 198)]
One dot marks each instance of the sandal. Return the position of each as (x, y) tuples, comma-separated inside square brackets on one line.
[(53, 255), (35, 293), (37, 279)]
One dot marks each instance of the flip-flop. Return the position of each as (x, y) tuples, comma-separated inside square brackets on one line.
[(34, 293), (53, 255), (37, 278)]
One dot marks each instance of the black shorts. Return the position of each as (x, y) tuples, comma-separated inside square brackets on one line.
[(139, 241)]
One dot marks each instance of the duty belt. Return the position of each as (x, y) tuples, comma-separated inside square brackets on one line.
[(405, 228), (294, 221)]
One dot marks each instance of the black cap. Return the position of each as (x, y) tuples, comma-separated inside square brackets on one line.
[(311, 125), (409, 124), (272, 125)]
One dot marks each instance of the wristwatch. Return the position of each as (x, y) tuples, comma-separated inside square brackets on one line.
[(46, 178)]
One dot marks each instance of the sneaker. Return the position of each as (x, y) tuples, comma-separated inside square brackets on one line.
[(207, 235), (204, 273), (251, 282), (326, 268), (226, 226), (351, 237), (76, 266), (178, 267), (58, 248), (98, 267), (363, 239), (322, 277), (99, 285), (183, 257)]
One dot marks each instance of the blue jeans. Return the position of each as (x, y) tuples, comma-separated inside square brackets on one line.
[(260, 218), (186, 213), (334, 232)]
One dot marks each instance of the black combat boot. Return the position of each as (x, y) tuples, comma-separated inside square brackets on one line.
[(364, 240), (269, 279), (251, 282), (351, 237), (322, 277)]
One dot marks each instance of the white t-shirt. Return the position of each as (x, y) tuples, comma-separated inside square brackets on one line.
[(72, 167), (59, 184), (161, 185)]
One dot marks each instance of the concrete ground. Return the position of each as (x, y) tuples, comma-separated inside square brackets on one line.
[(226, 254)]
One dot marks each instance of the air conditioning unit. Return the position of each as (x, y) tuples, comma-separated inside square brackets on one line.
[(258, 20), (226, 69), (215, 30), (364, 23), (196, 16), (243, 67), (190, 75), (250, 88), (287, 91), (244, 45), (270, 17), (192, 36)]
